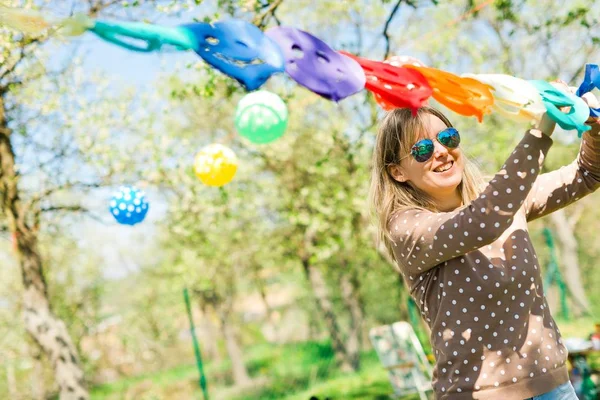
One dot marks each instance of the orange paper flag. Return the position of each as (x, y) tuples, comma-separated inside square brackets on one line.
[(465, 96)]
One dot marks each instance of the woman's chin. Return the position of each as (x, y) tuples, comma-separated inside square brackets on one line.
[(446, 183)]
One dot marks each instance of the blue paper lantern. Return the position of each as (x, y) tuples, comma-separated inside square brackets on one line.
[(129, 205)]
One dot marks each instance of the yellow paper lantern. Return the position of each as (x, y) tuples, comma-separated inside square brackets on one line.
[(215, 165)]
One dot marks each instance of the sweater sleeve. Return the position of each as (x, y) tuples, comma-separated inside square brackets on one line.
[(557, 189), (423, 239)]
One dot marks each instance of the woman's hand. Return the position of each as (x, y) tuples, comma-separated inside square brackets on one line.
[(547, 125), (592, 101), (589, 98)]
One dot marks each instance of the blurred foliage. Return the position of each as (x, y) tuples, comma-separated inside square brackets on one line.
[(240, 249)]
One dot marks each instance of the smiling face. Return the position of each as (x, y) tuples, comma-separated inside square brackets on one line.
[(439, 176)]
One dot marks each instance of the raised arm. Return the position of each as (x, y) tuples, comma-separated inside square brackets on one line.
[(556, 189), (422, 239)]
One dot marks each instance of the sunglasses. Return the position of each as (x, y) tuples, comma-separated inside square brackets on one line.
[(423, 149)]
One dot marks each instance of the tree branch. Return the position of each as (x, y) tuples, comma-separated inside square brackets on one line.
[(590, 51), (73, 207), (260, 19), (95, 7), (23, 45), (387, 25), (29, 205), (98, 6)]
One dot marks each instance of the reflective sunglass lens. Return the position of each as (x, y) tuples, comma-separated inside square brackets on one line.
[(422, 150), (449, 138)]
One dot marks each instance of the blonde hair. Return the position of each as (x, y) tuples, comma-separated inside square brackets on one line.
[(397, 132)]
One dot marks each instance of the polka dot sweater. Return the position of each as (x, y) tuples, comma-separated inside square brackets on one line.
[(475, 276)]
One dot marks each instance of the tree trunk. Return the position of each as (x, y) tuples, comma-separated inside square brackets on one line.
[(49, 332), (234, 351), (209, 338), (11, 381), (570, 262), (402, 286), (271, 319), (350, 294), (325, 307), (38, 390), (314, 327), (553, 299)]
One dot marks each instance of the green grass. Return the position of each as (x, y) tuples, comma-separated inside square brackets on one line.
[(309, 370), (294, 371), (160, 379), (291, 371), (575, 327), (371, 383)]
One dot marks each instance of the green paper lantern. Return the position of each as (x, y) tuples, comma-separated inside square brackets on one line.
[(261, 117)]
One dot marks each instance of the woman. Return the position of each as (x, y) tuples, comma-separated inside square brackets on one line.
[(464, 250)]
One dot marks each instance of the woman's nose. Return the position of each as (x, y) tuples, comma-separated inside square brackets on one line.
[(439, 149)]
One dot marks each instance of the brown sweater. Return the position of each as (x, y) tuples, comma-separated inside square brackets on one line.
[(476, 278)]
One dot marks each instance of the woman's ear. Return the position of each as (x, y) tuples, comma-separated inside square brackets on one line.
[(397, 174)]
